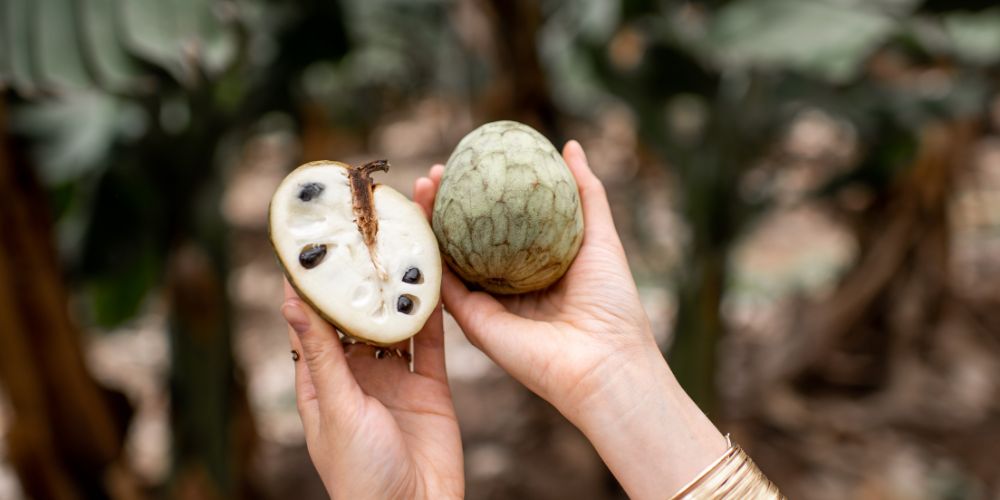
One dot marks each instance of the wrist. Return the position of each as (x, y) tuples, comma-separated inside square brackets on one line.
[(645, 427)]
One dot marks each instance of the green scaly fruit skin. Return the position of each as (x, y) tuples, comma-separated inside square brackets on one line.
[(507, 214)]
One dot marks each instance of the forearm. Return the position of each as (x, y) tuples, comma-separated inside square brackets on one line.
[(647, 430)]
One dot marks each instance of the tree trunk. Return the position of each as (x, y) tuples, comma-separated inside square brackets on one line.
[(877, 362), (520, 88), (699, 327), (903, 264), (67, 433), (213, 432)]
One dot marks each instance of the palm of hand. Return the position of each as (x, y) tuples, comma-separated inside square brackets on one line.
[(398, 434), (579, 324), (592, 297)]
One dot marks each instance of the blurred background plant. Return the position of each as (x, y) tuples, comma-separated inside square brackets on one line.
[(809, 192)]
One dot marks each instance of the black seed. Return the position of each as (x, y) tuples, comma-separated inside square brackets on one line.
[(412, 275), (404, 304), (310, 191), (312, 255)]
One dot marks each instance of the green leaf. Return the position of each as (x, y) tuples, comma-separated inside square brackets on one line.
[(150, 32), (99, 23), (219, 46), (211, 42), (975, 37), (120, 255), (894, 7), (74, 133), (56, 36), (5, 50), (115, 296), (825, 39), (15, 34), (181, 36)]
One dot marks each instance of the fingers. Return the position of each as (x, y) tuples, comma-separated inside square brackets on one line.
[(305, 391), (378, 375), (334, 389), (437, 171), (478, 313), (429, 342), (423, 195), (425, 188), (428, 347), (596, 211)]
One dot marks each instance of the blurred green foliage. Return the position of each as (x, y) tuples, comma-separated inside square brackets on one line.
[(719, 84), (130, 106)]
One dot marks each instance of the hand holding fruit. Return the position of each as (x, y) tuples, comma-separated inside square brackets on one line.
[(565, 341), (373, 429), (585, 345), (363, 257)]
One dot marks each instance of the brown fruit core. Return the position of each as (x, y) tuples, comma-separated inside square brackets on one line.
[(362, 190)]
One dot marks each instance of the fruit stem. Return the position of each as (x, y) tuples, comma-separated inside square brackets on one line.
[(362, 194)]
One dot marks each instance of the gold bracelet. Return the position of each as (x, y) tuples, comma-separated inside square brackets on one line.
[(732, 476)]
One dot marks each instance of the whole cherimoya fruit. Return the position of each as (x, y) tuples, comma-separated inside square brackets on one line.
[(360, 253), (507, 214)]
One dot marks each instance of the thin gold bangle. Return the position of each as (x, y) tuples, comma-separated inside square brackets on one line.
[(732, 476)]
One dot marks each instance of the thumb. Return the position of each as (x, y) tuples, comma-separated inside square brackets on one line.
[(598, 222), (424, 190), (487, 324)]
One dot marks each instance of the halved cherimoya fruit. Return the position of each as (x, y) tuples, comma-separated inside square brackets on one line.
[(360, 253)]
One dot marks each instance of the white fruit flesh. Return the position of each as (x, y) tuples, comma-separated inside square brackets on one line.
[(345, 286)]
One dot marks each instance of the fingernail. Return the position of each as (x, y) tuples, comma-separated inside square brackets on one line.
[(575, 148), (295, 317)]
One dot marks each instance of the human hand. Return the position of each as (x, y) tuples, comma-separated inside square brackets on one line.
[(373, 429), (585, 345)]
